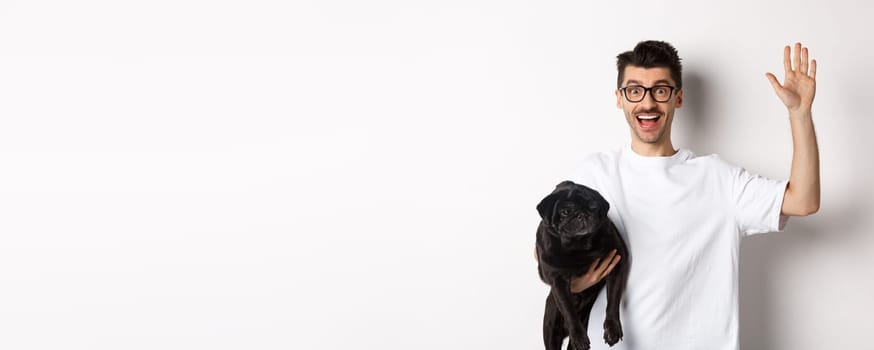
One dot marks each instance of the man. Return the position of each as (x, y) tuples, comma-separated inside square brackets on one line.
[(683, 215)]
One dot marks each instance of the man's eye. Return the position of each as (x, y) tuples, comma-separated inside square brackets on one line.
[(662, 91), (634, 91)]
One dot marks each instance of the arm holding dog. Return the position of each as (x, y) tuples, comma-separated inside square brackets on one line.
[(597, 272)]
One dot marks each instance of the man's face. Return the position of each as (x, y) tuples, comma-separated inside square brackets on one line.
[(639, 115)]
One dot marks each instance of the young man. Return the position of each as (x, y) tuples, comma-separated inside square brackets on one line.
[(683, 215)]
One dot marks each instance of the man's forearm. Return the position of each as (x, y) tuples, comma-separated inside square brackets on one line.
[(803, 193)]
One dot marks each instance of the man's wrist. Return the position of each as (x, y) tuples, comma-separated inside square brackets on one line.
[(802, 113)]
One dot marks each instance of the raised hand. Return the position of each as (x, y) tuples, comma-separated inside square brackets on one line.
[(799, 84)]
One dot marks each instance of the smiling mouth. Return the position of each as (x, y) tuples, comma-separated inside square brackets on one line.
[(648, 121)]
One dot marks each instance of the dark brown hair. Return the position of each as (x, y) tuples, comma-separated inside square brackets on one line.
[(651, 54)]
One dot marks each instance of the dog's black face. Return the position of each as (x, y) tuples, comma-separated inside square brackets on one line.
[(573, 210)]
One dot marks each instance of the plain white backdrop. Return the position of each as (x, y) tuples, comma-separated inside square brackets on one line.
[(363, 174)]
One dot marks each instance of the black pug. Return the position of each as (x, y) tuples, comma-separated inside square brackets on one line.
[(573, 233)]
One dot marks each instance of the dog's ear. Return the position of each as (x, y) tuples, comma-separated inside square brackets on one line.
[(546, 207), (604, 204)]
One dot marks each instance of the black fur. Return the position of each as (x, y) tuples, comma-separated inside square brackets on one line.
[(574, 231)]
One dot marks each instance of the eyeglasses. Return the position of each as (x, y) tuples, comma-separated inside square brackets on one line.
[(659, 93)]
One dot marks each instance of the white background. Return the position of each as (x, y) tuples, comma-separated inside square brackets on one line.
[(363, 174)]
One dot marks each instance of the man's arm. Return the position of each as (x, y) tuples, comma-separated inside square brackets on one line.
[(597, 271), (797, 91)]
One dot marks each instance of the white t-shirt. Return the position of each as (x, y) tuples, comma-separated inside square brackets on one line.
[(682, 218)]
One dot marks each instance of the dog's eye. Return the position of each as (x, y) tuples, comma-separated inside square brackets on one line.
[(564, 212)]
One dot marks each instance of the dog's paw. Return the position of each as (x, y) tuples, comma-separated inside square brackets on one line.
[(578, 343), (612, 331)]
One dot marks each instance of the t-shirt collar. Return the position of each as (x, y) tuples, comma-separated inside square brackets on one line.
[(681, 155)]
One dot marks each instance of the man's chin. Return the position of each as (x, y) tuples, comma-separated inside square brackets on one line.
[(649, 137)]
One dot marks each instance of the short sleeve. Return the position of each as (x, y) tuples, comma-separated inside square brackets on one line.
[(758, 202)]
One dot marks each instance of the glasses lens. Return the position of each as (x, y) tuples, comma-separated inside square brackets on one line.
[(634, 93), (661, 93)]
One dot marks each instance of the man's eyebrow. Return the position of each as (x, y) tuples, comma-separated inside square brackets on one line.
[(657, 82)]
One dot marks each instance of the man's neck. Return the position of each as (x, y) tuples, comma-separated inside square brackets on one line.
[(653, 150)]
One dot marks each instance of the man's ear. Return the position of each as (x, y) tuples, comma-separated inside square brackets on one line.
[(679, 98), (618, 99)]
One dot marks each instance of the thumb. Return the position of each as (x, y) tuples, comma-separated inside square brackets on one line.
[(774, 83)]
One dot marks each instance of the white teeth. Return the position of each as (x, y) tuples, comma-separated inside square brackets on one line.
[(647, 117)]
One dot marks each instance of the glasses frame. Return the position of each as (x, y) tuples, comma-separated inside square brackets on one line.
[(647, 90)]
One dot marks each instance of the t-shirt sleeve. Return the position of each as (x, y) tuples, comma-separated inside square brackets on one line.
[(758, 202)]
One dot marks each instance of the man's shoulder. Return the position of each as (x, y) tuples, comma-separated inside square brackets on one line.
[(713, 165), (599, 159), (712, 161), (594, 167)]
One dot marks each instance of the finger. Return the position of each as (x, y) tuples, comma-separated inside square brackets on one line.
[(606, 262), (774, 83), (594, 265), (813, 69), (804, 61), (797, 56), (786, 64), (612, 265)]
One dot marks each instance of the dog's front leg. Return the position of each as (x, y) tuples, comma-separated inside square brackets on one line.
[(615, 289), (561, 292)]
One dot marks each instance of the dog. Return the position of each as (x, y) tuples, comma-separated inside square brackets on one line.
[(574, 231)]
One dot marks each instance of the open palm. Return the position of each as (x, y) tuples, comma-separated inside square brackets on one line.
[(799, 84)]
